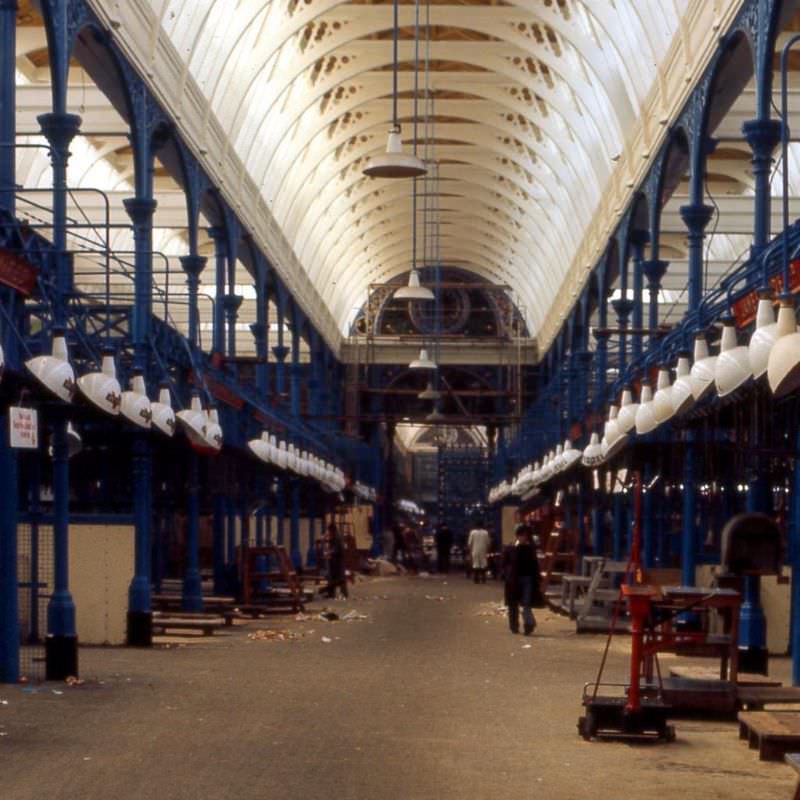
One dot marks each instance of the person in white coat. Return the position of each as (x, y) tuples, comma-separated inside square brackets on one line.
[(478, 545)]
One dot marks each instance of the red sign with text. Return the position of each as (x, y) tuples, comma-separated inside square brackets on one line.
[(744, 310), (17, 272)]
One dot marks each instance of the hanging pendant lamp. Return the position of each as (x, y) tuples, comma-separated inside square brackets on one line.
[(163, 415), (394, 163), (102, 388), (413, 291), (663, 410), (733, 365), (423, 362), (702, 372), (55, 372), (645, 418), (429, 393), (194, 422), (682, 395), (260, 447), (136, 406), (783, 367), (764, 336), (593, 452), (626, 417)]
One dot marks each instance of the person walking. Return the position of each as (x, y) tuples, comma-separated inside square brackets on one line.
[(333, 548), (444, 541), (478, 546), (521, 571)]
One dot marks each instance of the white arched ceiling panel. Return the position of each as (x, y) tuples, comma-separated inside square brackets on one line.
[(532, 100)]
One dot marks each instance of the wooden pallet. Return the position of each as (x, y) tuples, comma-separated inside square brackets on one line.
[(756, 697), (196, 622), (711, 673), (772, 733)]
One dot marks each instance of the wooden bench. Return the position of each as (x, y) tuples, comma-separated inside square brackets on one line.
[(171, 601), (772, 733), (793, 760), (710, 674), (188, 622), (756, 697)]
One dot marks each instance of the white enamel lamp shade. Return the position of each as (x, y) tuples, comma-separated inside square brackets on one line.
[(626, 417), (593, 452), (102, 388), (193, 421), (55, 372), (783, 368), (423, 362), (703, 369), (394, 163), (764, 337), (645, 418), (136, 406), (682, 395), (732, 369), (163, 415), (663, 409), (414, 290)]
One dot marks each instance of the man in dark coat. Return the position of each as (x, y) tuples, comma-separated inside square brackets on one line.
[(334, 556), (521, 571), (444, 541)]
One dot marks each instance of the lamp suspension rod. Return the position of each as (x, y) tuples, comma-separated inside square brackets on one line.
[(416, 129), (785, 155), (394, 55)]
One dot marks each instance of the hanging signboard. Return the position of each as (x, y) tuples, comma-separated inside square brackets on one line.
[(17, 272), (744, 309), (23, 428)]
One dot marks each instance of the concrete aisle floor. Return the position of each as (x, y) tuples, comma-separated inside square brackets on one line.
[(429, 699)]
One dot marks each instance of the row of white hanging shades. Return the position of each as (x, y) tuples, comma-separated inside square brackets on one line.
[(556, 461), (774, 350), (102, 390), (286, 456)]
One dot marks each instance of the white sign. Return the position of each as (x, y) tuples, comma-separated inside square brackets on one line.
[(23, 427)]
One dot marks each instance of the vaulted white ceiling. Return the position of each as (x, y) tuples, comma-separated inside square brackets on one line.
[(532, 102)]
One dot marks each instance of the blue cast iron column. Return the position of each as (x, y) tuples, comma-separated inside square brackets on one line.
[(280, 517), (638, 241), (296, 370), (654, 270), (61, 645), (140, 633), (313, 511), (231, 304), (230, 550), (192, 597), (9, 622), (218, 542), (193, 266), (753, 655), (623, 308), (294, 528), (280, 352), (763, 136), (696, 217), (192, 594), (219, 238)]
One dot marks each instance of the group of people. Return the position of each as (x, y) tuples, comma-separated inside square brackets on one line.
[(519, 565)]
